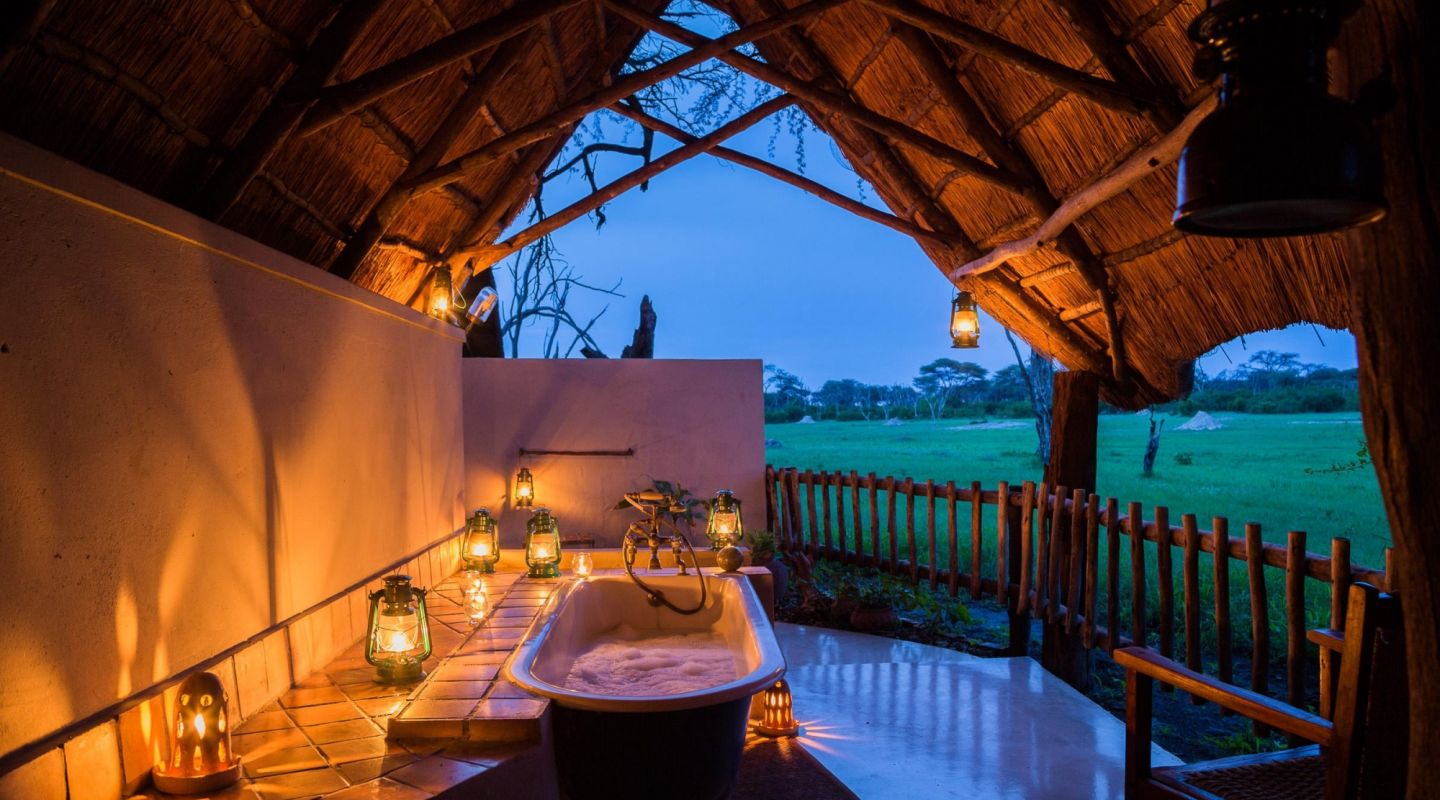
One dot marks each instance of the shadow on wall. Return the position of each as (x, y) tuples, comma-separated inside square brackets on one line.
[(195, 448)]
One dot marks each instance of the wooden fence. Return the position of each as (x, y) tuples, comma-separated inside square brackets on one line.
[(1056, 554)]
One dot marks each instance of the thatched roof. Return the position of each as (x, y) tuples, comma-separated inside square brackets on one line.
[(167, 95)]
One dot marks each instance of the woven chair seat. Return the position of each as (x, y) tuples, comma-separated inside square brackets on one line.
[(1289, 777)]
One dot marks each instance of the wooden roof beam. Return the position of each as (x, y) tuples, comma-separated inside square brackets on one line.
[(786, 176), (1110, 94), (339, 100), (1165, 111), (489, 254), (977, 124), (383, 213), (1134, 169), (627, 85), (810, 93), (285, 110), (25, 26)]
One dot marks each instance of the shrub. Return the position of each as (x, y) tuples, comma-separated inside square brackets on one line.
[(1184, 459)]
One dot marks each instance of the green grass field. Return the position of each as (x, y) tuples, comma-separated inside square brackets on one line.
[(1252, 470)]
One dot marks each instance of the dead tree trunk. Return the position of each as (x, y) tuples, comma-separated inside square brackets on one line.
[(1073, 437), (1038, 375), (1152, 447), (1396, 291), (642, 345)]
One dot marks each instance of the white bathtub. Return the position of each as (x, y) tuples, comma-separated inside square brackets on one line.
[(701, 733)]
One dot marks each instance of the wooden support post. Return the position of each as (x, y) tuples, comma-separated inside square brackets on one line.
[(1295, 622), (1190, 576), (1012, 575), (1073, 431), (275, 123), (1165, 581), (1225, 663), (1396, 291), (1259, 616)]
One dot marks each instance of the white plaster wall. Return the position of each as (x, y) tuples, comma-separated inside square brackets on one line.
[(199, 436), (699, 422)]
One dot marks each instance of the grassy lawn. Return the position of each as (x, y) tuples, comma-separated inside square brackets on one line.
[(1252, 470)]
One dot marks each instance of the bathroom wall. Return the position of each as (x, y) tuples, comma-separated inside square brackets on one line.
[(697, 422), (201, 437)]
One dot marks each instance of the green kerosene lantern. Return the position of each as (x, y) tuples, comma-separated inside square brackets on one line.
[(399, 638), (481, 546), (542, 545)]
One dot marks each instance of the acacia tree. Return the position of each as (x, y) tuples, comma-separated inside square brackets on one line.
[(944, 378)]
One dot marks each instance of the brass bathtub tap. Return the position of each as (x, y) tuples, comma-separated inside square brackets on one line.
[(660, 510)]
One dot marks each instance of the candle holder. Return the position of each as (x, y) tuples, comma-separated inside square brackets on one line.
[(582, 564), (399, 639), (777, 711), (542, 545), (481, 546), (201, 759)]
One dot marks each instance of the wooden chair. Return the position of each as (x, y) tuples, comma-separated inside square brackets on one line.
[(1359, 753)]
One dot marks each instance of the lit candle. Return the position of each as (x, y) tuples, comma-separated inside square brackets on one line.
[(480, 549), (476, 605), (583, 564), (541, 552)]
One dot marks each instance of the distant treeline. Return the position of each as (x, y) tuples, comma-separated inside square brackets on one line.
[(1269, 383)]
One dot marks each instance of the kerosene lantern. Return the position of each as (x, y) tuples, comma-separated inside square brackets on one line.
[(542, 545), (725, 526), (480, 548), (964, 322), (399, 638), (524, 488)]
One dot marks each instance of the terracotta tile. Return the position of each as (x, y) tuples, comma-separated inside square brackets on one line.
[(270, 719), (466, 672), (328, 712), (509, 709), (381, 706), (491, 657), (427, 730), (485, 755), (360, 750), (302, 650), (359, 601), (251, 682), (293, 760), (438, 709), (522, 602), (420, 748), (311, 696), (373, 690), (352, 675), (143, 741), (323, 646), (455, 690), (243, 790), (277, 663), (514, 611), (294, 785), (436, 774), (508, 622), (342, 635), (380, 789), (92, 764), (372, 768), (505, 690), (340, 731), (41, 778), (317, 680), (266, 743)]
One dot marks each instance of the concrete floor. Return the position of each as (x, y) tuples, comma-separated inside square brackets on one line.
[(899, 719)]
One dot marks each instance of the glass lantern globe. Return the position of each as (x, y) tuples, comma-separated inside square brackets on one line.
[(524, 488), (399, 638), (542, 545), (480, 547)]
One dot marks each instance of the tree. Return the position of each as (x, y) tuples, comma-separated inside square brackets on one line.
[(1039, 377), (944, 378)]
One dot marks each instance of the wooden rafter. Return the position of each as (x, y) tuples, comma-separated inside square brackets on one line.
[(814, 95), (26, 25), (378, 220), (339, 100), (977, 125), (289, 104), (563, 118), (1112, 95), (786, 176), (489, 254), (1134, 169)]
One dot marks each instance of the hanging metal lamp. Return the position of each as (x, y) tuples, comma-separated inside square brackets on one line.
[(1280, 155)]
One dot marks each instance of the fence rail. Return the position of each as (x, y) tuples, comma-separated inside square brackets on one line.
[(1040, 551)]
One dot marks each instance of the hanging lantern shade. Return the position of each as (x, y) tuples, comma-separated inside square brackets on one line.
[(777, 711), (480, 548), (542, 545), (524, 488), (201, 759), (399, 638), (964, 322), (481, 307), (725, 526), (439, 293), (1280, 155)]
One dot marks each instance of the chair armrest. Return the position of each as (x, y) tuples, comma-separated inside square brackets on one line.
[(1328, 638), (1146, 662)]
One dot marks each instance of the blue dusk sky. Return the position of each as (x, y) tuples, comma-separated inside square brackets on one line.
[(739, 265)]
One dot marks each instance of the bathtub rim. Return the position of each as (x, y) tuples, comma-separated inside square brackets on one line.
[(519, 670)]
